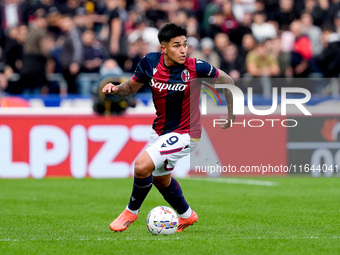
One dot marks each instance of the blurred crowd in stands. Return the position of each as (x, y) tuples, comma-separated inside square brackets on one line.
[(45, 42)]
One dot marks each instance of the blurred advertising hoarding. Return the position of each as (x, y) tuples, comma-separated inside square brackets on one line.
[(106, 147)]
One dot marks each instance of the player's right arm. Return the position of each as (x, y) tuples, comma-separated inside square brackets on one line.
[(127, 88), (140, 77)]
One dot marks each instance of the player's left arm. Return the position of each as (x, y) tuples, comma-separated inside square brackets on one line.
[(224, 78)]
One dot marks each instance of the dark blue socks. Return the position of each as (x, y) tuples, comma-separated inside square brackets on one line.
[(174, 196), (141, 188)]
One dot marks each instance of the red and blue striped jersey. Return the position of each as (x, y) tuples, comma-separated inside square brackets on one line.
[(175, 91)]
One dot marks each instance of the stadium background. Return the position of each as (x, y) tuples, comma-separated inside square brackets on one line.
[(55, 53), (54, 124)]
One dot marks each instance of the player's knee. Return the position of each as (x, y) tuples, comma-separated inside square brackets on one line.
[(142, 168)]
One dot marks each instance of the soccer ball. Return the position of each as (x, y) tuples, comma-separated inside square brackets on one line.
[(162, 220)]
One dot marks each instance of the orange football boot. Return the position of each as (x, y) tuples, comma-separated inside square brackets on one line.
[(184, 223), (123, 221)]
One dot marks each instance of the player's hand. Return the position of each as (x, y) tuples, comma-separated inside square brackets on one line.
[(228, 119), (109, 88)]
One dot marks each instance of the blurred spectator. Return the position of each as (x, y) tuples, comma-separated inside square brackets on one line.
[(96, 11), (117, 40), (82, 20), (334, 9), (193, 45), (215, 24), (230, 23), (302, 51), (13, 57), (207, 52), (49, 9), (154, 13), (261, 62), (313, 32), (3, 81), (220, 41), (147, 33), (138, 48), (337, 23), (320, 12), (128, 36), (310, 5), (192, 27), (243, 28), (71, 55), (287, 41), (93, 52), (89, 5), (93, 57), (70, 7), (260, 6), (329, 59), (274, 46), (242, 6), (13, 49), (211, 8), (47, 6), (132, 20), (262, 65), (223, 20), (188, 5), (261, 29), (169, 7), (37, 49), (248, 44), (3, 78), (232, 62), (2, 42), (10, 13), (284, 14), (110, 68)]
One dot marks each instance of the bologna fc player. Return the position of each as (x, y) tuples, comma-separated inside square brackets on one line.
[(176, 129)]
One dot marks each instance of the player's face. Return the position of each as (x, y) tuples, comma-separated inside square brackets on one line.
[(175, 51)]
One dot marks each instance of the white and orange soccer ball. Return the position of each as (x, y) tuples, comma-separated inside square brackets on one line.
[(162, 220)]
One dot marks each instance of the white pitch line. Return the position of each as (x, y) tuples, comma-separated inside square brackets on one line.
[(238, 181), (168, 238)]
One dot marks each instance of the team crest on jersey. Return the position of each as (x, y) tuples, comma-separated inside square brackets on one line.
[(185, 75)]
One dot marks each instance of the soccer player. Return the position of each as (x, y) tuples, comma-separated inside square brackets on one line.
[(172, 76)]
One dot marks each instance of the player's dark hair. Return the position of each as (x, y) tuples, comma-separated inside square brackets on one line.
[(169, 31)]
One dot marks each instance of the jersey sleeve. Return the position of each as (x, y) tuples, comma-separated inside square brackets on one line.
[(206, 70), (140, 74)]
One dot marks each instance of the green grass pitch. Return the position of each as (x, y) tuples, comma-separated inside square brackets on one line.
[(236, 216)]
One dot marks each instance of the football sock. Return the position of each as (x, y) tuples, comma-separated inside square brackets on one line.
[(187, 214), (141, 188), (174, 196), (134, 212)]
